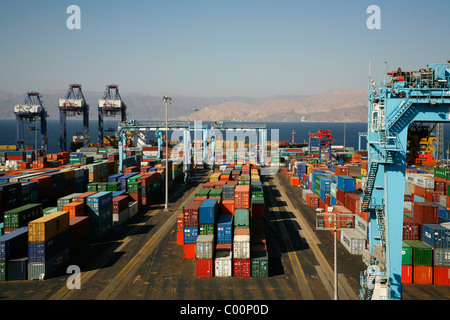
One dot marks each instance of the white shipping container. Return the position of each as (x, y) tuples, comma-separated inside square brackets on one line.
[(133, 208), (424, 181), (204, 247), (121, 217), (241, 246), (353, 240), (223, 264), (407, 205), (362, 226), (408, 188), (304, 193), (443, 201)]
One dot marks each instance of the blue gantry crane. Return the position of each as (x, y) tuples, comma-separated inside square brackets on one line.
[(401, 99), (110, 106), (72, 105), (31, 110)]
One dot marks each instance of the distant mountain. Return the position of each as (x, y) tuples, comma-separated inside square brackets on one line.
[(329, 106)]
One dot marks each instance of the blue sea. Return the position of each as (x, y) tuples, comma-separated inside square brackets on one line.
[(8, 132)]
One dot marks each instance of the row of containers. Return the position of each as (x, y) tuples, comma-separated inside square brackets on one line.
[(425, 222), (39, 239), (222, 227)]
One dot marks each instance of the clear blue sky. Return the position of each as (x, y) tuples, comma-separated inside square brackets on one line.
[(252, 48)]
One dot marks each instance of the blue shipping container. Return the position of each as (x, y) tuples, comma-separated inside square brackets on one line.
[(41, 251), (190, 234), (14, 244), (114, 177), (325, 184), (208, 211), (346, 183), (442, 211), (123, 180), (436, 235), (100, 200), (225, 229)]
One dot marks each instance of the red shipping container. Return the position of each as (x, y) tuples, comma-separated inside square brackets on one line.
[(312, 200), (340, 196), (204, 267), (258, 210), (209, 185), (441, 275), (420, 191), (120, 203), (439, 186), (241, 268), (411, 229), (82, 197), (425, 212), (352, 201), (191, 213), (180, 238), (423, 274), (227, 207), (189, 250), (342, 171), (180, 222), (433, 196), (407, 274), (78, 227), (242, 197)]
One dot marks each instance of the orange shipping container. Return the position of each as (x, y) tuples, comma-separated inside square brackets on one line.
[(407, 274), (47, 227), (295, 181), (189, 251), (76, 209), (227, 207), (423, 274), (180, 238)]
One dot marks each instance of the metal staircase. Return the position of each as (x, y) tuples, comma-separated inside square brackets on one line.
[(381, 226), (399, 112), (369, 186)]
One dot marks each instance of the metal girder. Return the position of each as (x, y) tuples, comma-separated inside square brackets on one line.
[(406, 97)]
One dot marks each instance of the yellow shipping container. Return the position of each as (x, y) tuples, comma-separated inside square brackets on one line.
[(8, 147), (49, 226)]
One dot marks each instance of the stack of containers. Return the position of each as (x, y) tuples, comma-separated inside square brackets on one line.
[(242, 197), (19, 217), (78, 235), (422, 261), (120, 209), (48, 244), (190, 228), (99, 209), (13, 246), (241, 253), (227, 205), (204, 254), (65, 200), (208, 213)]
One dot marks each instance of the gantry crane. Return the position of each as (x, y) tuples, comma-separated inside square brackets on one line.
[(110, 106), (72, 105), (325, 141), (31, 110), (405, 97)]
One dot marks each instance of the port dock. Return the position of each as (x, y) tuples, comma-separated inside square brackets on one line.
[(141, 260)]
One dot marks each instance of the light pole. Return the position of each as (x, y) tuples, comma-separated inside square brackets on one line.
[(166, 207)]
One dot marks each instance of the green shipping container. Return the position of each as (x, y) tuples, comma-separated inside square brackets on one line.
[(92, 186), (407, 254), (215, 193), (134, 186), (19, 217), (241, 218), (113, 186), (206, 229), (3, 270), (443, 173), (102, 186), (259, 260), (203, 193), (422, 253)]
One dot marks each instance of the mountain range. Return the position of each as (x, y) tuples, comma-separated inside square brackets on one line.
[(328, 106)]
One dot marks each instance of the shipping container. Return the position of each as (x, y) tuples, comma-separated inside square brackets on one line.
[(422, 253), (346, 183), (441, 257), (241, 244), (422, 274), (353, 240), (411, 229), (204, 267), (407, 254), (17, 269), (42, 251), (19, 217), (241, 267), (441, 275), (436, 235), (78, 227), (208, 211), (14, 244), (225, 229), (425, 212), (241, 218), (44, 270), (407, 274), (259, 261), (47, 227), (189, 251), (191, 213), (204, 247), (223, 263), (190, 234)]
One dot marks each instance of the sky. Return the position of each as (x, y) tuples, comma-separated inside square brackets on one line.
[(206, 48)]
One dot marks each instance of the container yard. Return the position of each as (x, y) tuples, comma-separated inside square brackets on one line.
[(326, 223)]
